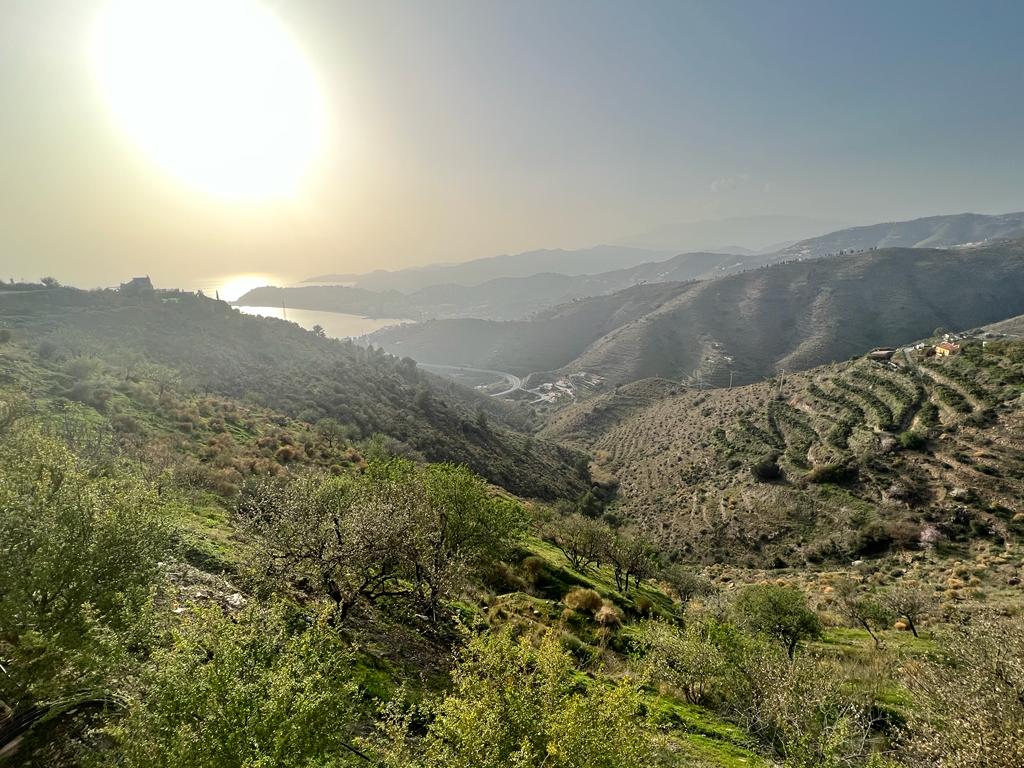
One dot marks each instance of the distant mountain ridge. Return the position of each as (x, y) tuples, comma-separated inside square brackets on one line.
[(792, 315), (929, 232), (505, 298), (600, 258)]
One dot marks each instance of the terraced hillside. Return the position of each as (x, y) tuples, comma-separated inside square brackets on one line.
[(837, 462), (790, 316)]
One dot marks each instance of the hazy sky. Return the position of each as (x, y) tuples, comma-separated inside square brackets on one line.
[(465, 129)]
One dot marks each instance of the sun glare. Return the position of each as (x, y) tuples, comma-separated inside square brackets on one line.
[(215, 92)]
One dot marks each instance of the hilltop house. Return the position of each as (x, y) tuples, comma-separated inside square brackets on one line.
[(137, 285), (946, 349)]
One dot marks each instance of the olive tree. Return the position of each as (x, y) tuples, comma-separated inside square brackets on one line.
[(398, 530)]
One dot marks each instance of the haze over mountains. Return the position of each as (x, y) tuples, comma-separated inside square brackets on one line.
[(791, 315), (516, 286)]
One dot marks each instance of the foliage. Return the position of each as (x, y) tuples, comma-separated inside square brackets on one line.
[(398, 530), (265, 689), (79, 550), (513, 704), (968, 701), (781, 613)]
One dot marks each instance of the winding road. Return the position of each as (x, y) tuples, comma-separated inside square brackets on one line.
[(514, 382)]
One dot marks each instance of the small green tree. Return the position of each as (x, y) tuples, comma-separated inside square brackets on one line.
[(778, 612)]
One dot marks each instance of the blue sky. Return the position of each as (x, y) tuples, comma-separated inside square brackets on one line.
[(477, 127)]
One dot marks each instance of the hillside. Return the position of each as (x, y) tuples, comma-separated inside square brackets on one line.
[(839, 462), (281, 366), (791, 316), (929, 232)]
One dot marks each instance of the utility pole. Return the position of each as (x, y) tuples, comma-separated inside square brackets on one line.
[(730, 377)]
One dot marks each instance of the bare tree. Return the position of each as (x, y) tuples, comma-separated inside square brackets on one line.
[(582, 540), (909, 601), (862, 608)]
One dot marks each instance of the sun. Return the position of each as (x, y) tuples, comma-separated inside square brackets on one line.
[(215, 92)]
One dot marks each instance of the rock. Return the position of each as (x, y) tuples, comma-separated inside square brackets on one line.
[(235, 601)]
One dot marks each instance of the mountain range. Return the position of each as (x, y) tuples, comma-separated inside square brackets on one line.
[(744, 326), (516, 287)]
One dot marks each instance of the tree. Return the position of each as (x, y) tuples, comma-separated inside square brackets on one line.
[(319, 332), (778, 612), (801, 709), (398, 530), (49, 282), (908, 601), (685, 583), (333, 433), (631, 555), (513, 704), (583, 541), (862, 608), (690, 658)]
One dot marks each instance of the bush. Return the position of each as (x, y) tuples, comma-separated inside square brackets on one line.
[(513, 704), (766, 468), (247, 691), (608, 615), (584, 601), (832, 472), (912, 440)]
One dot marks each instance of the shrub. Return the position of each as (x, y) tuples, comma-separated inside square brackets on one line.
[(644, 605), (609, 615), (532, 567), (832, 472), (766, 468), (912, 440), (584, 600)]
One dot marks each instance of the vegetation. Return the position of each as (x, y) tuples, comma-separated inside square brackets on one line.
[(197, 580)]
